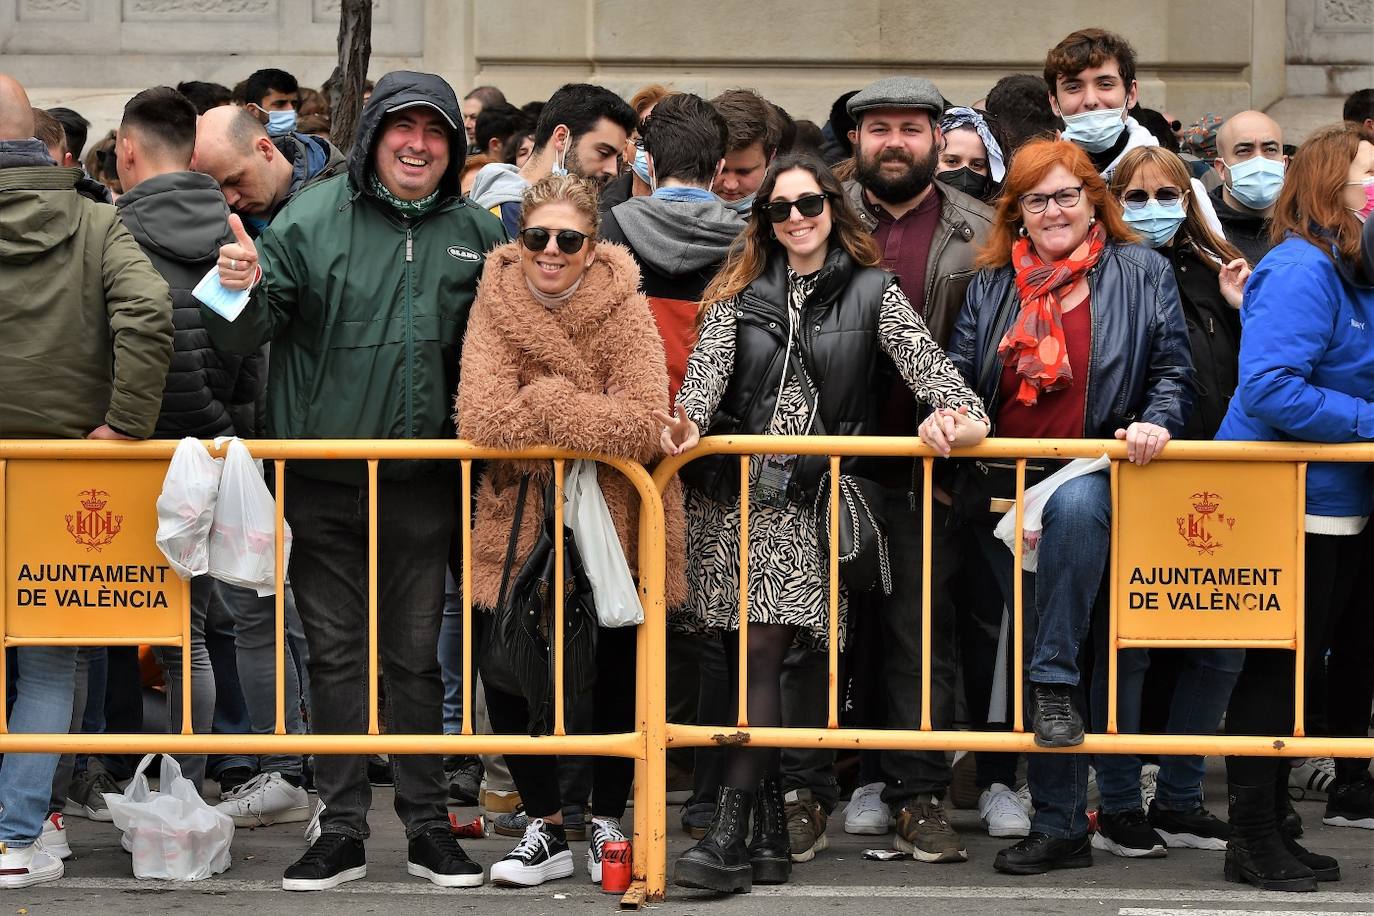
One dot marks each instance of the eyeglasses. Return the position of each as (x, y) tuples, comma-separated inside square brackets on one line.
[(807, 205), (1065, 197), (1137, 198), (570, 241)]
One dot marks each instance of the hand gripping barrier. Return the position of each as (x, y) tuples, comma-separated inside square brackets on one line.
[(1207, 551)]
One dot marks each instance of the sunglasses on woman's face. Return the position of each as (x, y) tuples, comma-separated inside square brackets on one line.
[(1137, 198), (808, 205), (570, 241)]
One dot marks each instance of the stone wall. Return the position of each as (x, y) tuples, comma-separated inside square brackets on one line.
[(93, 54), (1330, 46)]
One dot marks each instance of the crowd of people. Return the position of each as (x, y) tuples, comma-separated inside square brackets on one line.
[(626, 277)]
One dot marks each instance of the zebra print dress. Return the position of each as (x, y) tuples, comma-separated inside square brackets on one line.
[(786, 582)]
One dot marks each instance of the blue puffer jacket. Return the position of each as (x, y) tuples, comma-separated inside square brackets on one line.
[(1307, 369), (1141, 363)]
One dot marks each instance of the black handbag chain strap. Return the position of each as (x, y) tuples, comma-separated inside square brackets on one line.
[(514, 539)]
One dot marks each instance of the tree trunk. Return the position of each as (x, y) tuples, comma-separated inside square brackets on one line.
[(344, 88)]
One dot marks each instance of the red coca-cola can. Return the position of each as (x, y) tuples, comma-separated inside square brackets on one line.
[(615, 867), (1092, 821), (474, 829)]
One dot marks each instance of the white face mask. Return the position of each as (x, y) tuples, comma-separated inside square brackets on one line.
[(1097, 130)]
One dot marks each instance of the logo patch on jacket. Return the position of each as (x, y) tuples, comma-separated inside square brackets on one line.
[(463, 254)]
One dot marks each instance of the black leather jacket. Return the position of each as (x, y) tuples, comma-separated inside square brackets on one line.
[(1141, 367)]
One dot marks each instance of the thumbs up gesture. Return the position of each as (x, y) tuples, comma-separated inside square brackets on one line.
[(238, 260)]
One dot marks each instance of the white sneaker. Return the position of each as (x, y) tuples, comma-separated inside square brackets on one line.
[(1001, 811), (1023, 797), (54, 838), (867, 814), (312, 829), (28, 866), (603, 830), (1315, 775), (264, 800), (1149, 780)]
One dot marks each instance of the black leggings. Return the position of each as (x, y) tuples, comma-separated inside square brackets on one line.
[(768, 645), (612, 712), (1339, 619)]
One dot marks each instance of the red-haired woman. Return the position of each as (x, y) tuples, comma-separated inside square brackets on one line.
[(1071, 330)]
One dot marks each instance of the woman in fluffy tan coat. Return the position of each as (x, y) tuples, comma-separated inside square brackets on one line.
[(562, 350)]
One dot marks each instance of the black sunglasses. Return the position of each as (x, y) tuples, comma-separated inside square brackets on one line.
[(570, 241), (1137, 199), (807, 205)]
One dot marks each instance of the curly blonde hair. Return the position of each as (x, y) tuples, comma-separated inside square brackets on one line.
[(568, 189)]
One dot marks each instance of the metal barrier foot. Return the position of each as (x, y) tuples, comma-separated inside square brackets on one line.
[(635, 897)]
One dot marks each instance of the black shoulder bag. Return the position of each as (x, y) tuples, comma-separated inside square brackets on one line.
[(524, 618), (865, 564)]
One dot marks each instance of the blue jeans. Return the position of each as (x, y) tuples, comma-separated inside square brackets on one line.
[(1200, 698), (231, 713), (451, 656), (255, 642), (202, 680), (42, 705)]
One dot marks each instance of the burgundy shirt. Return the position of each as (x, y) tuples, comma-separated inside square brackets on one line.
[(1058, 414), (905, 247)]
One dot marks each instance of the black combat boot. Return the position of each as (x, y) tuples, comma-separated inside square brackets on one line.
[(720, 862), (1256, 853), (1324, 868), (770, 850)]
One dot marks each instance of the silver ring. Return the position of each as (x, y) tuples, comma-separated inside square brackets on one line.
[(233, 264)]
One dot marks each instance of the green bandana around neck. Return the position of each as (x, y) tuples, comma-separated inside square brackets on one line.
[(408, 208)]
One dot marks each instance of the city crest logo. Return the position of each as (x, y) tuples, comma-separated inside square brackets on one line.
[(93, 526), (1199, 528)]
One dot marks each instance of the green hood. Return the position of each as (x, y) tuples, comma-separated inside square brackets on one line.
[(33, 220)]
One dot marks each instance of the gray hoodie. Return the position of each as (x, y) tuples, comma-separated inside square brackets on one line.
[(675, 237)]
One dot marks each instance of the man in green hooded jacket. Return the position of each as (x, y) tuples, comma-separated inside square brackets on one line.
[(363, 283)]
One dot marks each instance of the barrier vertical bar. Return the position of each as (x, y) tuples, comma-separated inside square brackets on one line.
[(927, 482), (469, 688), (742, 717), (1300, 621), (1017, 609), (558, 610), (833, 688), (4, 602), (1114, 601), (186, 728), (650, 847), (279, 467), (372, 665)]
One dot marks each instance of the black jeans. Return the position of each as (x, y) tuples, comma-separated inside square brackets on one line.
[(1338, 620), (699, 693), (415, 521), (612, 712), (806, 704)]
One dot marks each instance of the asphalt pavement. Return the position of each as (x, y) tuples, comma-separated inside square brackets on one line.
[(99, 880)]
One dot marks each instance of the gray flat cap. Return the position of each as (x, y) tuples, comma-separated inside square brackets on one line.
[(898, 92)]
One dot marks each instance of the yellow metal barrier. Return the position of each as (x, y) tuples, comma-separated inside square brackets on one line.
[(29, 497), (59, 498)]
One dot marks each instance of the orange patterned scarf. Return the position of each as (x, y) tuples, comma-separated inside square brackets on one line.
[(1036, 338)]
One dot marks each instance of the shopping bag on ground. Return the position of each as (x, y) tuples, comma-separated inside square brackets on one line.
[(186, 508), (243, 535), (613, 588), (172, 833), (1034, 506)]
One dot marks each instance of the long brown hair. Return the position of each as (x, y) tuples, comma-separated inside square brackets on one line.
[(1029, 167), (1194, 232), (750, 252), (1310, 205)]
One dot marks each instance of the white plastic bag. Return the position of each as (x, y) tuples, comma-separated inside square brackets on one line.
[(617, 599), (1036, 498), (243, 536), (172, 833), (186, 508)]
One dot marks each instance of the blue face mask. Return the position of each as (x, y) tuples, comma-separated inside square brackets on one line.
[(1155, 222), (741, 206), (1256, 182), (1095, 130), (641, 166), (281, 123)]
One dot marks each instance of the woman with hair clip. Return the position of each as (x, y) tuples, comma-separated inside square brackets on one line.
[(1307, 374), (561, 350), (795, 330), (1154, 190)]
